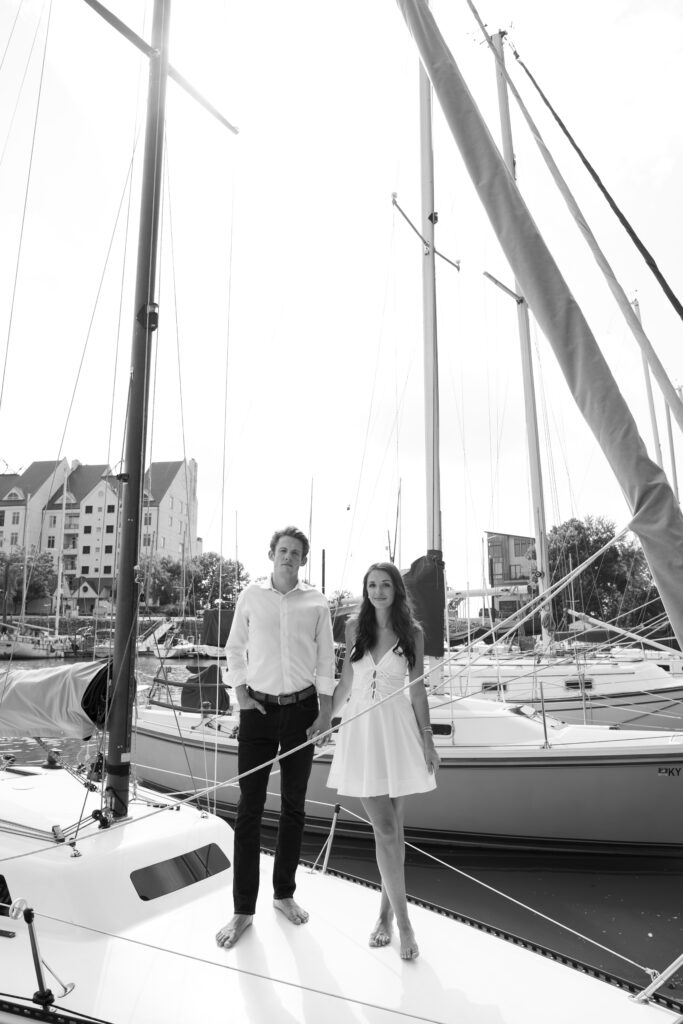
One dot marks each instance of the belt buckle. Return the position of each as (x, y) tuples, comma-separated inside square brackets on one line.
[(280, 701)]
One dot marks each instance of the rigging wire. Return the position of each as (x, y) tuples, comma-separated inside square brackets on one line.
[(23, 78), (11, 34), (621, 217), (25, 202)]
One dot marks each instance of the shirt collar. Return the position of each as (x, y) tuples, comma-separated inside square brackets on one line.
[(267, 584)]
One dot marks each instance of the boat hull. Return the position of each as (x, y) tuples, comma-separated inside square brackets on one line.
[(519, 797)]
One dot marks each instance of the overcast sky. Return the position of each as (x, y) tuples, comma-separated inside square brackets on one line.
[(289, 360)]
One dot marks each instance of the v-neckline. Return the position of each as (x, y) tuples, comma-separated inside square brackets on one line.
[(388, 650)]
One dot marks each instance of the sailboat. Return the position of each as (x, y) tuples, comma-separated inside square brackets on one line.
[(184, 750), (110, 897)]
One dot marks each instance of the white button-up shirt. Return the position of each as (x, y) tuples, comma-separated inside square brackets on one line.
[(281, 643)]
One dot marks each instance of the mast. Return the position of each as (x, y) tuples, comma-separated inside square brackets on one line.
[(145, 323), (60, 558), (25, 573), (431, 366), (540, 532), (433, 570)]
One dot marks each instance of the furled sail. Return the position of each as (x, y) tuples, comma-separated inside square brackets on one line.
[(68, 701), (427, 591), (656, 516)]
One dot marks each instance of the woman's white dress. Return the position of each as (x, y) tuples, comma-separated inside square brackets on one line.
[(381, 751)]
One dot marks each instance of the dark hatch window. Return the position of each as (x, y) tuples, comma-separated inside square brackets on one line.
[(179, 872), (5, 898)]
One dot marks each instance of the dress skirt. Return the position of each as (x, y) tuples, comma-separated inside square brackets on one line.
[(381, 751)]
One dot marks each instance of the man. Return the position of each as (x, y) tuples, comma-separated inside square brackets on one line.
[(281, 666)]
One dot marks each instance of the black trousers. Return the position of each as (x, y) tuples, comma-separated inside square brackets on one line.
[(261, 738)]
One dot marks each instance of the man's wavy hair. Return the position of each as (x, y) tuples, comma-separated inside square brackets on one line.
[(403, 621), (290, 531)]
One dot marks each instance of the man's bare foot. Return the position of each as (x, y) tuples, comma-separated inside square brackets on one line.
[(381, 933), (409, 947), (292, 911), (231, 932)]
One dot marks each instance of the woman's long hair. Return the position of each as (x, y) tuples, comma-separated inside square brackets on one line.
[(403, 621)]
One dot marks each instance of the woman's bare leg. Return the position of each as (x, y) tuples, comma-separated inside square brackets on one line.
[(386, 816)]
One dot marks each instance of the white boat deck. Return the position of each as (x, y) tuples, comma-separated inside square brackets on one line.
[(136, 961), (320, 972)]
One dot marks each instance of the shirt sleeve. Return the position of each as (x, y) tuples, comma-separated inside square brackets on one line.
[(236, 647), (324, 677)]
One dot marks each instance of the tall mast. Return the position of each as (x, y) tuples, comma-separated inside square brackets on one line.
[(431, 366), (60, 559), (540, 533), (145, 323), (434, 567)]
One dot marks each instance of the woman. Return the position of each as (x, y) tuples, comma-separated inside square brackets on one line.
[(388, 751)]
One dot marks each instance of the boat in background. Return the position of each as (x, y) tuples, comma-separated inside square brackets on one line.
[(615, 688), (509, 777), (29, 643)]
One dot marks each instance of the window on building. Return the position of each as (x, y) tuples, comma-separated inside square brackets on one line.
[(15, 519), (109, 529), (170, 520), (51, 522), (162, 542), (13, 539), (99, 509), (2, 518), (88, 510), (107, 570), (146, 540), (87, 529), (108, 548), (2, 539), (86, 549), (170, 502), (522, 545), (85, 570), (147, 519), (50, 540), (111, 508)]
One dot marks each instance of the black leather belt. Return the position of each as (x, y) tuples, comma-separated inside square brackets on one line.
[(281, 698)]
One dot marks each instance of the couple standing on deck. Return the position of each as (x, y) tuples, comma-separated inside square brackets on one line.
[(281, 662)]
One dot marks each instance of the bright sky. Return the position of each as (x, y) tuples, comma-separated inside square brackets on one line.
[(290, 348)]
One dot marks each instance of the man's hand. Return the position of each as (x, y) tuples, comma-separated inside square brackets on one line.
[(247, 703)]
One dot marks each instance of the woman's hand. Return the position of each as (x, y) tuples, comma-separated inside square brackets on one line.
[(432, 759)]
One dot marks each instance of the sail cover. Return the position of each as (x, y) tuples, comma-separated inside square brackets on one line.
[(64, 701), (427, 591), (656, 516)]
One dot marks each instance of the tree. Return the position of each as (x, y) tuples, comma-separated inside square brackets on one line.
[(211, 577), (162, 580), (616, 585), (41, 578)]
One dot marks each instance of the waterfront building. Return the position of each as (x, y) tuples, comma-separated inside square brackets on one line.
[(74, 513)]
